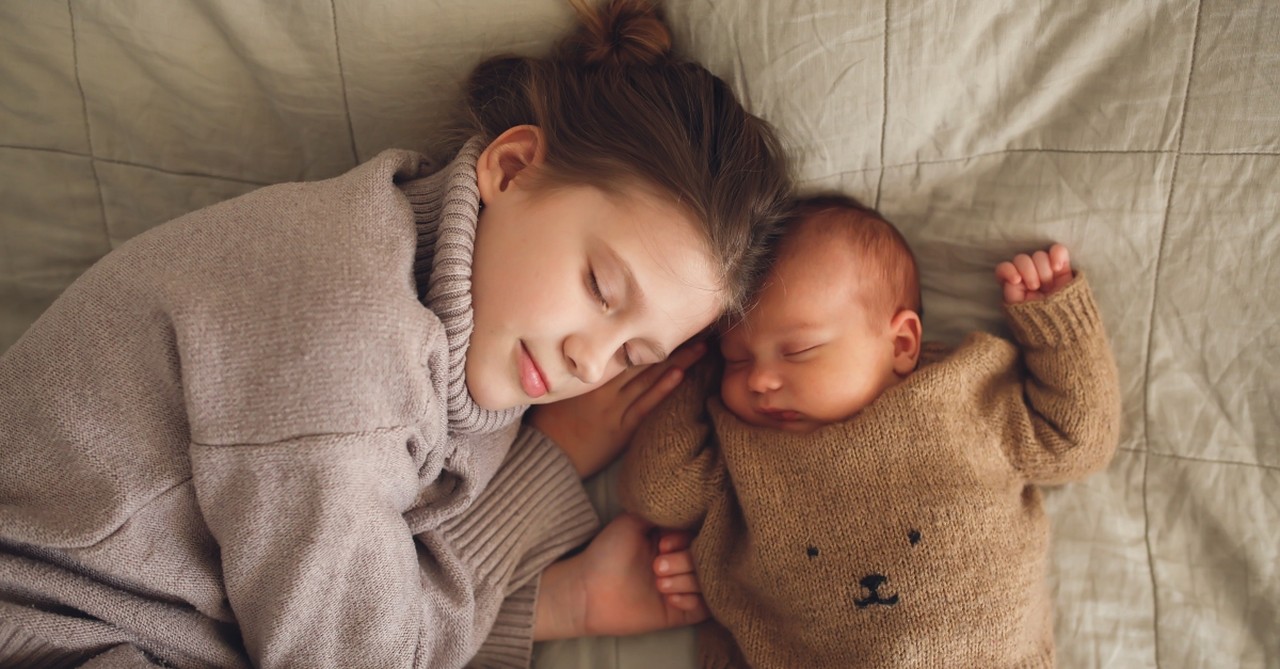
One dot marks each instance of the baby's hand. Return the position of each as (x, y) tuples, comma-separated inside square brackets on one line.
[(1035, 276), (674, 571)]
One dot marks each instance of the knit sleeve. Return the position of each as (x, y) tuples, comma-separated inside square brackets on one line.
[(532, 512), (671, 470), (1069, 422), (321, 568)]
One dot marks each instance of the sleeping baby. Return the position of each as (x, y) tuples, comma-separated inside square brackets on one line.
[(863, 499)]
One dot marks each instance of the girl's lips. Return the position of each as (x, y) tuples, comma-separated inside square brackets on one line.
[(531, 379)]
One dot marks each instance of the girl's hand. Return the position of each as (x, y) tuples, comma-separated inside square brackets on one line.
[(611, 588), (593, 428), (1035, 276)]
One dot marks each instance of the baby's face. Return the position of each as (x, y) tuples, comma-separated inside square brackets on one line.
[(807, 354)]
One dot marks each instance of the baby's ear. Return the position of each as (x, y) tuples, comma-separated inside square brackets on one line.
[(907, 338), (506, 157)]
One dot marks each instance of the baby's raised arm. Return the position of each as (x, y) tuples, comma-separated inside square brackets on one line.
[(1065, 416)]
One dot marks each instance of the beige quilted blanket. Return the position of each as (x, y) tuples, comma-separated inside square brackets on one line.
[(1145, 134)]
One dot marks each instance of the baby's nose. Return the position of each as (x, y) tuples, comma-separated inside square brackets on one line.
[(762, 379)]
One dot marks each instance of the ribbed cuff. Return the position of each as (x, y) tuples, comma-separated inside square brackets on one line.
[(21, 649), (510, 642), (1069, 315), (533, 511)]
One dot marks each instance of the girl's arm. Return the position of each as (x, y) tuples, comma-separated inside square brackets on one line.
[(322, 569)]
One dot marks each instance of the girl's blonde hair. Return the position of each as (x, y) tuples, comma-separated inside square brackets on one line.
[(617, 108)]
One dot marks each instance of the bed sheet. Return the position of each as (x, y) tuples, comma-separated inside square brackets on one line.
[(1143, 134)]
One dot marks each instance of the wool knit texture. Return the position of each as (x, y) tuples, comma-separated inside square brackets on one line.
[(245, 438), (911, 535)]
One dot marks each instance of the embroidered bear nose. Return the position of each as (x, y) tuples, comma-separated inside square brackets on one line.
[(872, 583)]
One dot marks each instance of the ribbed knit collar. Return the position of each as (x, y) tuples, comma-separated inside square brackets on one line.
[(446, 207)]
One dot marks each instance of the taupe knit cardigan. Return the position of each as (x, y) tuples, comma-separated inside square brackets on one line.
[(245, 437), (911, 535)]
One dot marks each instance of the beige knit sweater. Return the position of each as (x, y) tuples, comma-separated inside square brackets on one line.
[(911, 535), (244, 437)]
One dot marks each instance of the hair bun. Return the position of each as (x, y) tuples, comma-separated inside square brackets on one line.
[(622, 32)]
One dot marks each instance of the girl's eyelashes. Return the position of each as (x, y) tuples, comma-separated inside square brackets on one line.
[(594, 285)]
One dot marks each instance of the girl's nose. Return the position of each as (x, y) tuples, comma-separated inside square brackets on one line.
[(763, 379), (588, 357)]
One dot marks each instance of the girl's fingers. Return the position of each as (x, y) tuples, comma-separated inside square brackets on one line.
[(640, 379), (672, 541), (649, 375), (673, 564), (640, 407), (693, 606), (678, 585), (684, 356)]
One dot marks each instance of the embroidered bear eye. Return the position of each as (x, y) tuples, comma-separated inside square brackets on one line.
[(913, 536), (812, 552)]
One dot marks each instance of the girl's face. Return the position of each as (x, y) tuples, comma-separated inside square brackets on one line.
[(570, 285)]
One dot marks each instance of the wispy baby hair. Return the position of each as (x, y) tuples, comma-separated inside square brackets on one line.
[(882, 256)]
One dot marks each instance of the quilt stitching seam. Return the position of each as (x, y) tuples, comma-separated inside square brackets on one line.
[(1207, 461), (1146, 404), (88, 132), (342, 81), (884, 103), (1000, 152), (141, 166)]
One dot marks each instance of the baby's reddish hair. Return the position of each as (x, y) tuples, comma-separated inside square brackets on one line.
[(883, 257)]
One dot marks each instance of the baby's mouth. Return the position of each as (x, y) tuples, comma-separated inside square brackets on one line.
[(784, 415)]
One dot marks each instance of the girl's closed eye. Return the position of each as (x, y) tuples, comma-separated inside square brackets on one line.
[(593, 284)]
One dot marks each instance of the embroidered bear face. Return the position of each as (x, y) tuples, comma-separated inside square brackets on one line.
[(870, 585)]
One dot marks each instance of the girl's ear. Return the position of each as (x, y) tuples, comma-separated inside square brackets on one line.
[(907, 336), (506, 157)]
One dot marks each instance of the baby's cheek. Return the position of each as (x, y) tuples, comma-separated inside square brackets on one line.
[(733, 392)]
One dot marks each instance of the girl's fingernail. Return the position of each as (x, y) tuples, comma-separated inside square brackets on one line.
[(663, 566)]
